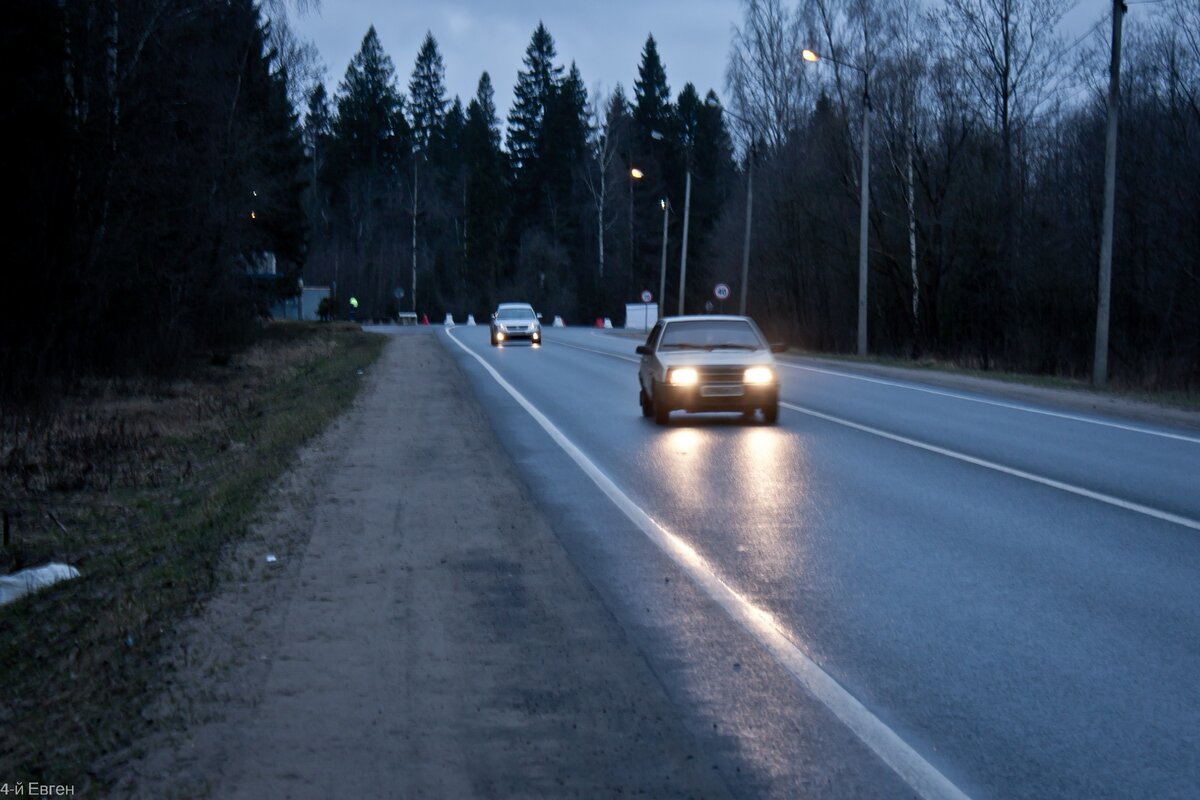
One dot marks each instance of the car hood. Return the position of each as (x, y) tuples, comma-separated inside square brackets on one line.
[(716, 358)]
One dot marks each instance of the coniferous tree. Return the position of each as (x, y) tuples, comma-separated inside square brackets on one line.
[(652, 96), (427, 97), (486, 195), (536, 87), (370, 130)]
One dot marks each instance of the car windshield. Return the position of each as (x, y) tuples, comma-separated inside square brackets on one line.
[(734, 334), (515, 313)]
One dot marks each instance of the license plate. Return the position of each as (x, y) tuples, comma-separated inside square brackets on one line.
[(720, 391)]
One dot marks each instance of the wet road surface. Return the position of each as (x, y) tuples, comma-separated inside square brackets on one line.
[(897, 590)]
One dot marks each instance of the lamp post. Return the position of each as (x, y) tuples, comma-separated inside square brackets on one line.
[(687, 217), (662, 270), (864, 201), (712, 102)]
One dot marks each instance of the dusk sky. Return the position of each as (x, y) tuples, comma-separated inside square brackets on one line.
[(604, 38)]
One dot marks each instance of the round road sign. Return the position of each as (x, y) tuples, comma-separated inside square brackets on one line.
[(646, 296), (721, 291)]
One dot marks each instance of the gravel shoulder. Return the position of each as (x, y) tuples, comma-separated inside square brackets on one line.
[(421, 633)]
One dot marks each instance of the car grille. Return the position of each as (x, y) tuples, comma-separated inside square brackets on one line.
[(721, 374)]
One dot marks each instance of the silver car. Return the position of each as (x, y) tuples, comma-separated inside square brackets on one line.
[(512, 321), (708, 363)]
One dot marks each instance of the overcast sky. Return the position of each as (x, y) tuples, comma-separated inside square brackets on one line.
[(604, 37)]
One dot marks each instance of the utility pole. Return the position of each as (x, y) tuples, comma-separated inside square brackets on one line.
[(746, 241), (1104, 292), (687, 213), (662, 271), (863, 216), (414, 238)]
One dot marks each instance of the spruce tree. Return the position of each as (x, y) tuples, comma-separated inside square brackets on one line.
[(536, 87), (367, 132), (652, 96), (427, 96)]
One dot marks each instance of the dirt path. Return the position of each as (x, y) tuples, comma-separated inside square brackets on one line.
[(422, 633)]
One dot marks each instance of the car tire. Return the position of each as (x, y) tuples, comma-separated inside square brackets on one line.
[(493, 339), (662, 414), (771, 413), (647, 409)]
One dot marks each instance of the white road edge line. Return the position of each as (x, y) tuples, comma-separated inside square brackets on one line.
[(1166, 516), (919, 774), (1000, 403)]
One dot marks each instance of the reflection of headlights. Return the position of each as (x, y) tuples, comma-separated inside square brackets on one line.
[(683, 377), (759, 375)]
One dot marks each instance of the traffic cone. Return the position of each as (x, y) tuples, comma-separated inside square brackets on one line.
[(599, 322), (424, 319)]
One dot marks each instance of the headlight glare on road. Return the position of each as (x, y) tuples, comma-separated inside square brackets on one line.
[(684, 376), (759, 375)]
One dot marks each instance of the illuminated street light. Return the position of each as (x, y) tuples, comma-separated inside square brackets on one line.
[(636, 174), (864, 202)]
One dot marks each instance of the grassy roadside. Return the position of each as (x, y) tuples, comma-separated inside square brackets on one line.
[(141, 486)]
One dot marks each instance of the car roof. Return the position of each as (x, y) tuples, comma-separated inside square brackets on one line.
[(707, 318), (514, 305)]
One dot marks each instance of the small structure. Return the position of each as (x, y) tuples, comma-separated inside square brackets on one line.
[(558, 322), (449, 319), (470, 319), (640, 316)]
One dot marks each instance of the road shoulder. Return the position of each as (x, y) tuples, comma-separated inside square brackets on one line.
[(421, 631)]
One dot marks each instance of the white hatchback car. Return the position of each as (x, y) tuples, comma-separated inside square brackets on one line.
[(708, 363)]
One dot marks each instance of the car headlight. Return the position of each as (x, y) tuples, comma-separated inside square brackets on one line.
[(500, 336), (759, 375), (684, 376)]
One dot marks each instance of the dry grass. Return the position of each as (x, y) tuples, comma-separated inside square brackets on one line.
[(141, 484)]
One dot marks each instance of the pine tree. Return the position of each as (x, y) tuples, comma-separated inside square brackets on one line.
[(369, 130), (427, 97), (486, 196), (652, 96), (536, 87)]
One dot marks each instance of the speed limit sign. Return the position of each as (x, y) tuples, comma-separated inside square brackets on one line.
[(646, 296), (721, 291)]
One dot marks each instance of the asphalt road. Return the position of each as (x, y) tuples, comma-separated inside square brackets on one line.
[(899, 590)]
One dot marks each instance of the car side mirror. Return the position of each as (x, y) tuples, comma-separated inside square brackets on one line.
[(493, 315), (779, 347), (539, 316), (642, 350)]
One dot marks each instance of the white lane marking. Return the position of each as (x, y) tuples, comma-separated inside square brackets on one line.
[(599, 352), (1066, 487), (919, 774), (1166, 516), (1000, 403)]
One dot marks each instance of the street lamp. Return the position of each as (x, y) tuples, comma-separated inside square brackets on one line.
[(865, 180), (687, 215), (662, 270), (712, 102)]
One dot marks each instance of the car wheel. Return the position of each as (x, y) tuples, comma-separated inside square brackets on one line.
[(647, 409), (662, 414), (771, 413), (493, 339)]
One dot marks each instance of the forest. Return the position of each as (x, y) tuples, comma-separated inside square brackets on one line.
[(169, 149)]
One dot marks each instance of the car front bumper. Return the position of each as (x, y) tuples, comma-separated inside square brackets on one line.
[(718, 396)]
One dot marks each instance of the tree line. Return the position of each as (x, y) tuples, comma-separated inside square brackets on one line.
[(165, 152), (986, 177), (155, 160), (419, 202)]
